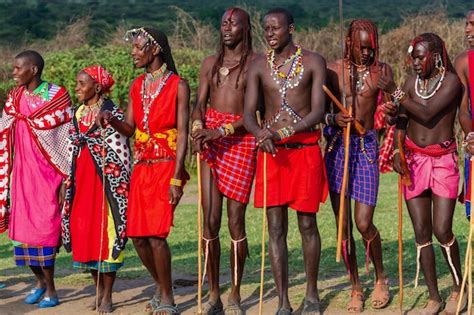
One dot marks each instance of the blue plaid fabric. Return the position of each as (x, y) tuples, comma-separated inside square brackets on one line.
[(27, 255), (363, 167), (94, 265)]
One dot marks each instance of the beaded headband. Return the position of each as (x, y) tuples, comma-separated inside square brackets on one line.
[(140, 33)]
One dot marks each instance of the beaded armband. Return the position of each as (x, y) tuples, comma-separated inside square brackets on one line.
[(197, 125), (228, 129)]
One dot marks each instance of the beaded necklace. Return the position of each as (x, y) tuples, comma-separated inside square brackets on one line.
[(35, 98), (86, 113), (148, 98), (426, 89), (286, 81)]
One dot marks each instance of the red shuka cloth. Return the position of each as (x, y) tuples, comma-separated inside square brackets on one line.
[(149, 211), (295, 177)]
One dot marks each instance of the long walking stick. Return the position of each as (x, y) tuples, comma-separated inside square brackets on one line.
[(402, 180), (198, 157), (103, 205), (264, 223), (468, 259), (345, 180)]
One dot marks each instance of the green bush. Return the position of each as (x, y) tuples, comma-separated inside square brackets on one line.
[(62, 67)]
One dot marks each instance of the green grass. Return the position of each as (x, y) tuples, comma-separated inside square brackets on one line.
[(333, 278)]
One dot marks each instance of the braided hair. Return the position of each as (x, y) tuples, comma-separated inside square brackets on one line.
[(355, 28), (165, 52), (246, 41), (434, 44)]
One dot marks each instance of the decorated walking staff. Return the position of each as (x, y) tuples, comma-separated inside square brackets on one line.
[(264, 223), (198, 157), (468, 260)]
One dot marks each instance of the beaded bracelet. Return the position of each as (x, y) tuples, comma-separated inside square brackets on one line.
[(197, 125), (399, 95), (228, 129), (285, 132), (176, 182)]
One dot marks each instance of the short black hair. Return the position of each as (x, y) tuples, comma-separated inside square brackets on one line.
[(285, 12), (34, 57)]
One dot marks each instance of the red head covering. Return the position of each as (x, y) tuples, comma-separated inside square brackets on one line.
[(101, 76)]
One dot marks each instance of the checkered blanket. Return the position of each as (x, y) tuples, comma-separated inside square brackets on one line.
[(231, 158)]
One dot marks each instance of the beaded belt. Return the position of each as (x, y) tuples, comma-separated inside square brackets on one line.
[(152, 161)]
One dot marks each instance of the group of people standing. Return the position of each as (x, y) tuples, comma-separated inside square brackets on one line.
[(75, 182)]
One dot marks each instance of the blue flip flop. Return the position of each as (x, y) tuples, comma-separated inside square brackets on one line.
[(48, 302), (34, 295), (2, 285)]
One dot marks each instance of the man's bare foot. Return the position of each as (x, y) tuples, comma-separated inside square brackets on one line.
[(93, 304), (105, 306)]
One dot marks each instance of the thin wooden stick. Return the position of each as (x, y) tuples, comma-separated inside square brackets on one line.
[(198, 157), (99, 264), (264, 221), (357, 125), (400, 240), (468, 259), (345, 179)]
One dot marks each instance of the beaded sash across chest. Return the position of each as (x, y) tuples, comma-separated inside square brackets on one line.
[(286, 81)]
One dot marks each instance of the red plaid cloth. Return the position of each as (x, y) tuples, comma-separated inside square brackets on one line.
[(231, 158), (386, 149)]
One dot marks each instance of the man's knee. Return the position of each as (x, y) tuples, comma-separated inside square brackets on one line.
[(443, 234), (212, 226), (157, 243), (139, 242), (307, 226), (364, 227)]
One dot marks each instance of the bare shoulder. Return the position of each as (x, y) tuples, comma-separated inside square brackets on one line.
[(208, 62), (334, 66), (255, 55), (183, 84), (313, 58), (259, 62), (452, 78), (461, 58)]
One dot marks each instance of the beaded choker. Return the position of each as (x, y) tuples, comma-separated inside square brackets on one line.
[(426, 89), (148, 98)]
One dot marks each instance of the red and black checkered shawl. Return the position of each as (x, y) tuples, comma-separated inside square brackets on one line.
[(47, 126)]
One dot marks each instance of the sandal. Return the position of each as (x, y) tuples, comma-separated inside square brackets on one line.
[(380, 295), (212, 309), (233, 309), (284, 311), (452, 304), (432, 307), (356, 305), (164, 309), (311, 308), (152, 305)]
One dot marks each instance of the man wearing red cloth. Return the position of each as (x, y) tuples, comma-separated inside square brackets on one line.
[(228, 152), (33, 150), (290, 80), (158, 116)]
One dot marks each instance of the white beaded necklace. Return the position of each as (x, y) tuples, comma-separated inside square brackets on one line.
[(147, 100), (425, 93)]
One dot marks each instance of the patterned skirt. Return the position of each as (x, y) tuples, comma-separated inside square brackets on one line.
[(27, 255)]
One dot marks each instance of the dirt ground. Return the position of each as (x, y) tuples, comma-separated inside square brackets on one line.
[(131, 295)]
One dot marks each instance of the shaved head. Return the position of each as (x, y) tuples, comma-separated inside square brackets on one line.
[(34, 58)]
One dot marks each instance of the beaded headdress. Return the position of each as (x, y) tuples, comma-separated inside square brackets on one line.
[(140, 33)]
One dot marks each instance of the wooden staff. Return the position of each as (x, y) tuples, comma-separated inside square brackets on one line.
[(264, 223), (103, 205), (468, 259), (198, 157), (345, 180), (360, 129), (402, 180)]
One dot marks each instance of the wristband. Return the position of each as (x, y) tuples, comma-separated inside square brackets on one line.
[(228, 129), (176, 182)]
